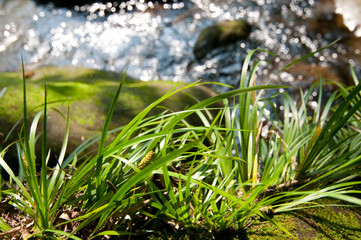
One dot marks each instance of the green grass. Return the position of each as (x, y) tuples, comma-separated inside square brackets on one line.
[(219, 177)]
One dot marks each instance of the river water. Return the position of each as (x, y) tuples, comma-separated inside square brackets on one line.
[(156, 41)]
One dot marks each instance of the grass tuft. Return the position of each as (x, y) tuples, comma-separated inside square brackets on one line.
[(240, 164)]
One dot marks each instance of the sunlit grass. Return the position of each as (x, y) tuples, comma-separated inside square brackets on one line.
[(218, 175)]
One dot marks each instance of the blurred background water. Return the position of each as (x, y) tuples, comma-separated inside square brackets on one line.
[(156, 40)]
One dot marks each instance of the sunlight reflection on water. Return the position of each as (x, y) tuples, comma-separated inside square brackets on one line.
[(350, 9), (156, 42)]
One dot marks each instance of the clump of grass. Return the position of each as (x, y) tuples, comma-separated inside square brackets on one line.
[(216, 176)]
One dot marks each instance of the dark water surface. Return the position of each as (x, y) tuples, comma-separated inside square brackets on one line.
[(155, 41)]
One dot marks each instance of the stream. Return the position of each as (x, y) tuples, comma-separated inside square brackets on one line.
[(155, 41)]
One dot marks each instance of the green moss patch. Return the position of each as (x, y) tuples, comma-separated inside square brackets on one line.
[(329, 222), (88, 93)]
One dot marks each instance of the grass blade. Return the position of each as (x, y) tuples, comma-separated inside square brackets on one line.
[(308, 55), (99, 186)]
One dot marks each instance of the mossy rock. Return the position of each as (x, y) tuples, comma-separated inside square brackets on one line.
[(220, 34), (333, 221), (88, 93)]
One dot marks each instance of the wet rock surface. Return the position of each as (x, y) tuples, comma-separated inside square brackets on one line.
[(219, 35)]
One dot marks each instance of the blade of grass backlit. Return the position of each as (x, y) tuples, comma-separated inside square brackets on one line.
[(44, 182), (57, 179), (123, 139), (99, 188), (307, 56), (174, 208), (6, 167), (353, 74), (25, 112), (341, 167), (62, 233), (2, 91), (55, 175), (126, 133), (114, 233), (29, 157), (222, 96), (4, 226), (27, 153), (141, 176), (336, 191), (340, 117), (246, 63), (179, 116), (248, 118), (78, 177)]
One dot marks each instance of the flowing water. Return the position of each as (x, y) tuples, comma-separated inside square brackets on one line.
[(155, 41)]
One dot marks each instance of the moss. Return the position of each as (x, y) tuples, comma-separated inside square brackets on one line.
[(328, 222), (11, 102), (73, 90), (9, 79), (89, 94), (69, 85), (262, 229)]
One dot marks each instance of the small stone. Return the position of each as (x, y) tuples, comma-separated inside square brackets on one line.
[(220, 34)]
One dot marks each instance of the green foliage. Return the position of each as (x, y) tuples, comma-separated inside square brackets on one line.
[(216, 176), (38, 197)]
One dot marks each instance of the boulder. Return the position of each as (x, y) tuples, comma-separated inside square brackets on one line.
[(88, 93), (220, 34)]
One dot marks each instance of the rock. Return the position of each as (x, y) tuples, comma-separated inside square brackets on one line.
[(327, 22), (330, 220), (220, 34), (89, 94), (350, 11)]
